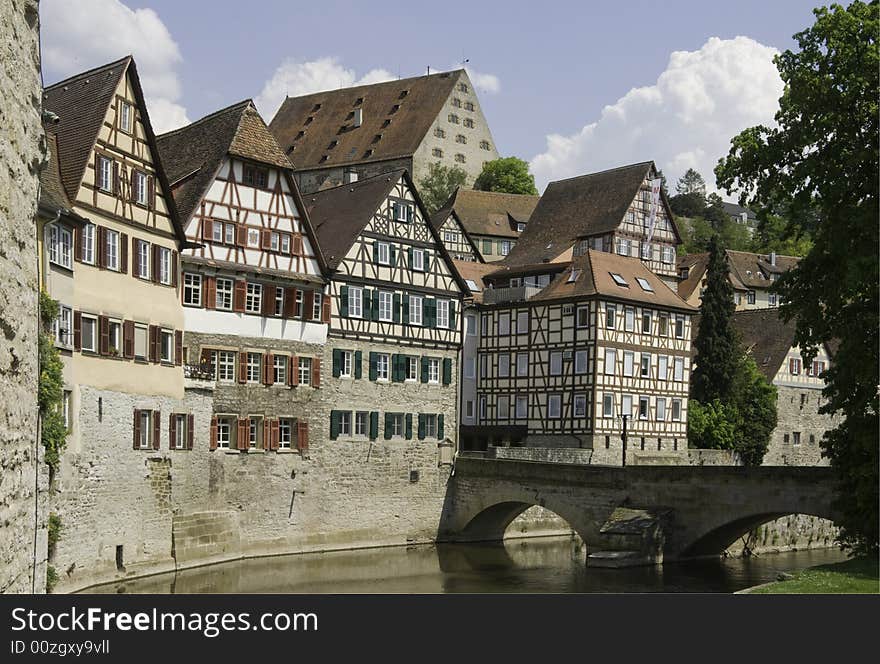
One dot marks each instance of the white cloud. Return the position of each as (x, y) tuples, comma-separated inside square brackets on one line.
[(293, 78), (685, 120), (80, 34), (484, 82)]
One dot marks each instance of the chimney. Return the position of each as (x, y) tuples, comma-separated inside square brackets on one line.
[(772, 258)]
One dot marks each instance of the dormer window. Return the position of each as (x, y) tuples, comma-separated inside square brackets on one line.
[(403, 212), (619, 280), (254, 176), (683, 273), (358, 101), (316, 107), (573, 276)]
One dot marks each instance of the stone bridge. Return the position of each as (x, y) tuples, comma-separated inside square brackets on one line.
[(635, 514)]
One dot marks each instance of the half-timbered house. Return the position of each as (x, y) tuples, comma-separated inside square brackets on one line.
[(252, 291), (395, 312), (584, 347), (454, 237)]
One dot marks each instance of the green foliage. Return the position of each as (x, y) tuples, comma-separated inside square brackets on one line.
[(775, 234), (51, 578), (691, 183), (717, 346), (711, 426), (819, 163), (692, 204), (857, 575), (755, 408), (509, 175), (439, 184), (53, 432), (53, 528)]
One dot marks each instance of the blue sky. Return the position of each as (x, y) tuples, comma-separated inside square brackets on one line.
[(556, 65)]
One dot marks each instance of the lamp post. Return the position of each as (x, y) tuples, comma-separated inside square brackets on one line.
[(625, 418)]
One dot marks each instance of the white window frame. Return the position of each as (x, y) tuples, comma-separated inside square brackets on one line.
[(105, 174), (317, 302), (253, 238), (112, 249), (582, 317), (522, 321), (126, 116), (415, 310), (645, 369), (556, 363), (361, 423), (217, 232), (165, 265), (88, 244), (254, 368), (610, 317), (434, 370), (383, 253), (626, 405), (93, 324), (64, 322), (229, 233), (166, 346), (629, 319), (503, 365), (443, 314), (660, 409), (418, 260), (647, 403), (224, 432), (386, 306), (608, 404), (502, 407), (305, 370), (179, 442), (140, 187), (610, 361), (412, 369), (554, 403), (225, 363), (253, 301), (521, 407), (504, 324), (580, 400), (629, 359), (522, 364), (676, 410), (355, 302), (581, 361), (115, 329), (678, 371), (145, 442), (141, 342), (279, 369), (383, 366), (143, 251), (285, 432), (224, 292), (663, 367), (346, 364), (60, 246)]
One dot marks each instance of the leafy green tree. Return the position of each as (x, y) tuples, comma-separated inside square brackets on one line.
[(509, 175), (756, 415), (822, 157), (717, 346), (691, 183), (439, 184), (711, 426), (691, 204), (774, 234), (53, 431)]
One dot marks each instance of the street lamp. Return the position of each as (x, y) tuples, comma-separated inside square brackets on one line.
[(624, 417)]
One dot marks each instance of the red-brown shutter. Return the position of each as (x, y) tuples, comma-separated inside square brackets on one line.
[(77, 243), (157, 428), (212, 444), (297, 244), (265, 239), (275, 434), (269, 300), (242, 438), (325, 309), (77, 330), (302, 436), (207, 229), (210, 295), (123, 253), (136, 429), (308, 305), (128, 339), (242, 367), (267, 435), (241, 236), (791, 366), (132, 186), (293, 373), (238, 295), (151, 192), (100, 247), (289, 302), (178, 347), (190, 423), (316, 372), (154, 268), (104, 335), (116, 178), (174, 269), (154, 343), (172, 430), (135, 257)]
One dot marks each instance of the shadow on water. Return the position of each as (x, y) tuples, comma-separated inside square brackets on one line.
[(554, 565)]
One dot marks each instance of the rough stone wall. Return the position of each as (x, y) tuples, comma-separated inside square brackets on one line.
[(313, 180), (22, 150), (798, 411), (546, 454)]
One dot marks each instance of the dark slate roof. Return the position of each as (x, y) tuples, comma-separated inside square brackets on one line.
[(81, 103), (735, 210), (192, 154), (593, 277), (754, 270), (331, 120), (490, 212), (578, 207), (52, 192)]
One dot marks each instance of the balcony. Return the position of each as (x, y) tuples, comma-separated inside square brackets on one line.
[(514, 294)]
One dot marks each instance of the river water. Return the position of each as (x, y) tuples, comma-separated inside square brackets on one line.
[(546, 565)]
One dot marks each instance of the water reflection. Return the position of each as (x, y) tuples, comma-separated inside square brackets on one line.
[(554, 565)]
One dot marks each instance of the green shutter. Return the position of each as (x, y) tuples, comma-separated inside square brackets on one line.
[(452, 315), (375, 307), (343, 301), (427, 261), (365, 306), (395, 368), (409, 213), (409, 253), (374, 370), (374, 425), (358, 361), (409, 426), (430, 312), (337, 362), (406, 309), (387, 426), (421, 426), (487, 247), (334, 424), (395, 308), (424, 369), (440, 427), (447, 370), (375, 251), (392, 255)]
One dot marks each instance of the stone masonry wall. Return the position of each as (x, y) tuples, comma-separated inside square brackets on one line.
[(798, 411), (22, 153)]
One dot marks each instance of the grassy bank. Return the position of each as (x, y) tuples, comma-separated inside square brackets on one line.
[(858, 575)]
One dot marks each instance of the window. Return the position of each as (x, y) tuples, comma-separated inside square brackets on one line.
[(643, 408), (645, 252), (60, 242), (504, 324), (346, 362), (580, 405), (415, 309), (484, 145), (453, 118), (63, 327), (224, 432), (112, 249), (115, 330), (139, 194), (65, 408), (771, 299), (433, 370), (456, 102), (794, 366), (661, 408), (504, 247), (274, 241), (796, 438), (482, 408), (678, 371), (626, 405), (382, 366), (256, 177), (662, 367), (623, 248), (443, 314), (396, 422), (460, 158), (610, 315), (663, 325), (418, 260), (580, 361), (125, 116), (470, 325), (583, 317), (166, 345), (253, 237), (555, 363), (217, 232), (224, 294), (431, 426), (360, 423), (628, 358), (254, 364), (412, 368), (253, 302), (468, 122), (105, 174), (344, 423), (89, 325), (88, 244), (450, 236), (629, 320), (317, 300), (143, 255), (522, 364), (610, 361), (470, 367), (608, 405), (305, 371), (487, 247), (750, 297), (676, 409), (254, 432), (503, 365), (462, 87), (679, 327), (461, 138), (437, 152), (645, 365), (165, 265), (469, 409), (645, 284), (383, 253), (667, 255), (554, 405), (279, 369), (226, 366), (355, 299), (230, 233), (145, 429), (179, 442), (279, 301), (140, 342)]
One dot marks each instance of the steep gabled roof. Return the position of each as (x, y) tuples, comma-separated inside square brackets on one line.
[(592, 276), (754, 270), (490, 212), (52, 193), (327, 117), (474, 272), (696, 264), (440, 217), (578, 207), (766, 337)]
